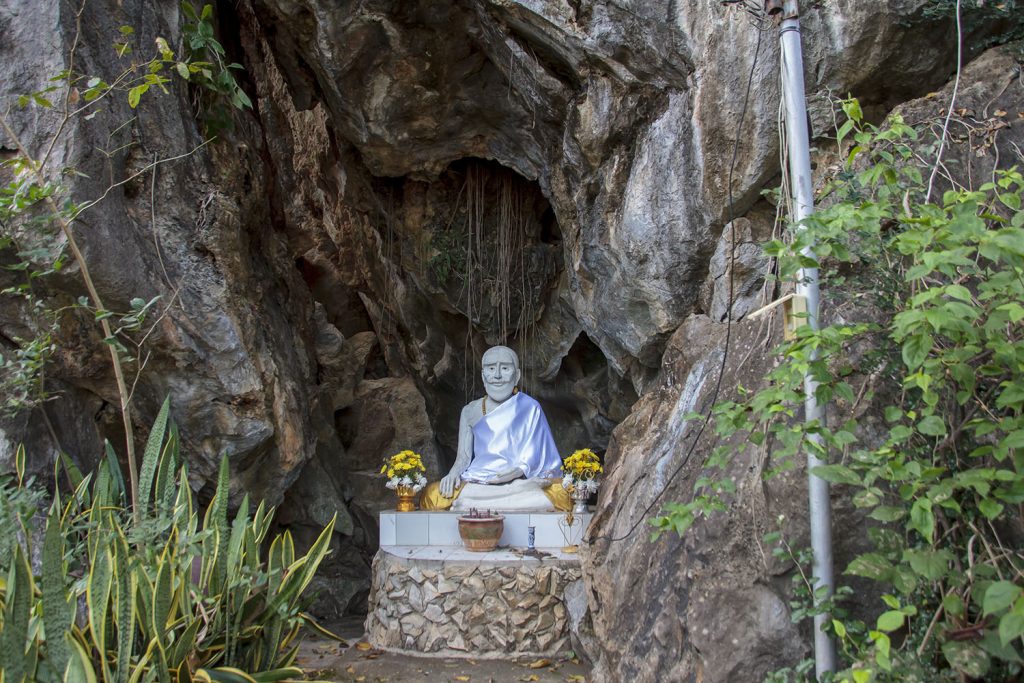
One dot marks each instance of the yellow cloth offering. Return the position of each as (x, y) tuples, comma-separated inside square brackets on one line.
[(432, 499)]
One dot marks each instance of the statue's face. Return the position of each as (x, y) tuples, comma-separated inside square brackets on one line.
[(500, 373)]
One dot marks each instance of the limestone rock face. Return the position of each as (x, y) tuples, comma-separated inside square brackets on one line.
[(735, 283), (624, 116), (416, 181), (231, 341), (387, 416), (716, 602), (683, 581)]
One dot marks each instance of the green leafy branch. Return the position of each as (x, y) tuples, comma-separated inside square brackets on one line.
[(943, 363)]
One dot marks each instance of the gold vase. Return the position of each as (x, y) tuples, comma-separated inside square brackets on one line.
[(406, 499)]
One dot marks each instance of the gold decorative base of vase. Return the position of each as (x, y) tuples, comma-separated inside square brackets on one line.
[(406, 499), (570, 518)]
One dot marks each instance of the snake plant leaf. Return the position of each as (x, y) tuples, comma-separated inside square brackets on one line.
[(151, 457), (321, 548), (162, 595), (310, 621), (226, 674), (292, 634), (184, 674), (8, 535), (155, 654), (300, 573), (183, 503), (288, 545), (217, 512), (82, 500), (17, 613), (116, 475), (19, 463), (79, 667), (261, 522), (165, 488), (289, 587), (141, 668), (238, 527), (58, 611), (101, 492), (184, 646), (271, 643), (216, 520), (125, 604), (275, 565), (251, 549), (97, 598), (288, 658), (71, 471), (275, 675), (144, 606), (208, 572)]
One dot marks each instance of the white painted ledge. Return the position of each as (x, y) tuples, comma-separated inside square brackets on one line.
[(435, 530)]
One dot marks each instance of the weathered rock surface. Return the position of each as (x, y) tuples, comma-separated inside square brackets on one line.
[(716, 602), (332, 267), (678, 586), (735, 282)]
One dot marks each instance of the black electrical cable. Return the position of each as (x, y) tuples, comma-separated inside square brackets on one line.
[(728, 316)]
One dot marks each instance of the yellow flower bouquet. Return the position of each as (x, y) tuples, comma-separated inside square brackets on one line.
[(405, 469), (581, 470)]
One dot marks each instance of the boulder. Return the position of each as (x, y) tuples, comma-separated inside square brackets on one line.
[(681, 589)]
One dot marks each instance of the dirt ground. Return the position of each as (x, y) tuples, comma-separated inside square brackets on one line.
[(327, 660)]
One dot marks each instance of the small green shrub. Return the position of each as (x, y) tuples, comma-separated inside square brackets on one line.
[(204, 65), (166, 598)]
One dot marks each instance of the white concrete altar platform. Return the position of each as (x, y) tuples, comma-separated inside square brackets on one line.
[(426, 529)]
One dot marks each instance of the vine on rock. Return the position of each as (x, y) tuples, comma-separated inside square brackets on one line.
[(940, 355)]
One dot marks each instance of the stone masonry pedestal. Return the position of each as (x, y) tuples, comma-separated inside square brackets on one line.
[(448, 601)]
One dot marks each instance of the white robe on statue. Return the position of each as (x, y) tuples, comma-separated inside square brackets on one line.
[(514, 434)]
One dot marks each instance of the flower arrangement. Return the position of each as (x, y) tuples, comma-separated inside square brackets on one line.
[(581, 470), (405, 469)]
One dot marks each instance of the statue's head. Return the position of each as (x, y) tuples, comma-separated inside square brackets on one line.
[(500, 372)]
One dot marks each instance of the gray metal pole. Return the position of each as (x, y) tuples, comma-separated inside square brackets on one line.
[(798, 145)]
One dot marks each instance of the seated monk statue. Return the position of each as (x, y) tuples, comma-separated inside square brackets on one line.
[(506, 458)]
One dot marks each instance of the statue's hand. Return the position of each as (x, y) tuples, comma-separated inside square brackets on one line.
[(448, 483), (507, 475)]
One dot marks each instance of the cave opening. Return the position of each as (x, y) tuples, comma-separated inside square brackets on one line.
[(584, 359), (493, 247)]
